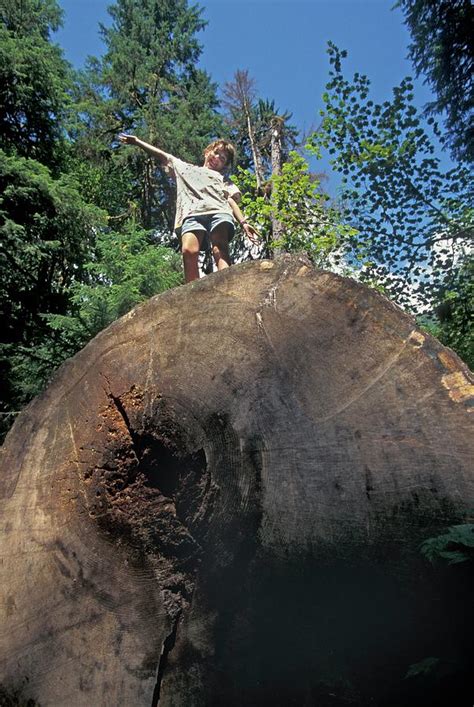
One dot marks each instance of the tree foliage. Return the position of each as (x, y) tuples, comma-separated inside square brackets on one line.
[(128, 268), (280, 195), (443, 50), (455, 310), (34, 80), (453, 547), (311, 223), (47, 234), (411, 216), (47, 228), (249, 120), (147, 83)]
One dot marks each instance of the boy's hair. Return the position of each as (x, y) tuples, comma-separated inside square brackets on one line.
[(226, 147)]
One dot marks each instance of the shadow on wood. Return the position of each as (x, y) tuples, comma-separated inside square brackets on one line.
[(220, 501)]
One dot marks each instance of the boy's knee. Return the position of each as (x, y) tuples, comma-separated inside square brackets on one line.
[(189, 250), (220, 249), (190, 246)]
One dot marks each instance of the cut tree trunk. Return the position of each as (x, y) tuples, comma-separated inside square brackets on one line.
[(220, 501)]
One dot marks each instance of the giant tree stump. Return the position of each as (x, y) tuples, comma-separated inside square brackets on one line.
[(220, 500)]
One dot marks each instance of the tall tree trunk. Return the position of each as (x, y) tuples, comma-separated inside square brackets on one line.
[(148, 191), (221, 499), (239, 96), (256, 155), (276, 127)]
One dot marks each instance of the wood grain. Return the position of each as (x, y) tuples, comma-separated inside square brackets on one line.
[(220, 500)]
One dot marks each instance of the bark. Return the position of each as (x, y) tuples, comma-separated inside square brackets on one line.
[(148, 191), (238, 97), (220, 500), (277, 160), (256, 155)]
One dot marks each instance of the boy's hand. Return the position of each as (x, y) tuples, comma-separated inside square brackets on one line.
[(252, 234), (127, 139)]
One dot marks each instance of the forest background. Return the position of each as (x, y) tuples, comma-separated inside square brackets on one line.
[(86, 225)]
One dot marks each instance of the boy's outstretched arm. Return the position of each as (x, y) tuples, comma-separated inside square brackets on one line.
[(161, 156), (252, 234)]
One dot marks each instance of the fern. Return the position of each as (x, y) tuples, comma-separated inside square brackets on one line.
[(455, 546)]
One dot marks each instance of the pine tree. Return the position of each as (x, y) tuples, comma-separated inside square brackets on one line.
[(442, 50), (46, 227), (34, 80), (147, 83)]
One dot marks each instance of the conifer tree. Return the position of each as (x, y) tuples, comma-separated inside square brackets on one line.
[(34, 79), (46, 227), (442, 50), (147, 82)]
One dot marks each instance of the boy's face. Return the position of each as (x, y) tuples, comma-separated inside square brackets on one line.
[(216, 159)]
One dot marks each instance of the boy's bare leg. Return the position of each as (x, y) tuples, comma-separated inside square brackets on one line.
[(220, 246), (190, 244)]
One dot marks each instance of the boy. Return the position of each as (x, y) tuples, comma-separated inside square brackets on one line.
[(206, 203)]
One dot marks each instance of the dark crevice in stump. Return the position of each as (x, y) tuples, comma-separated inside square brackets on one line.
[(168, 646), (147, 490)]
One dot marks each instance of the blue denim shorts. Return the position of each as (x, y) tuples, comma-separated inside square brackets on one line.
[(206, 223)]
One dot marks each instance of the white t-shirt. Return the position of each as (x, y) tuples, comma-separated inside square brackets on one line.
[(200, 190)]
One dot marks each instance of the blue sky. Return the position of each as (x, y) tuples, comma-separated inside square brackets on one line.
[(281, 42)]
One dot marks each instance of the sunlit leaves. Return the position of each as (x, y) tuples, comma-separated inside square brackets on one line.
[(128, 268), (47, 234), (455, 311), (34, 81), (311, 224), (400, 202)]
